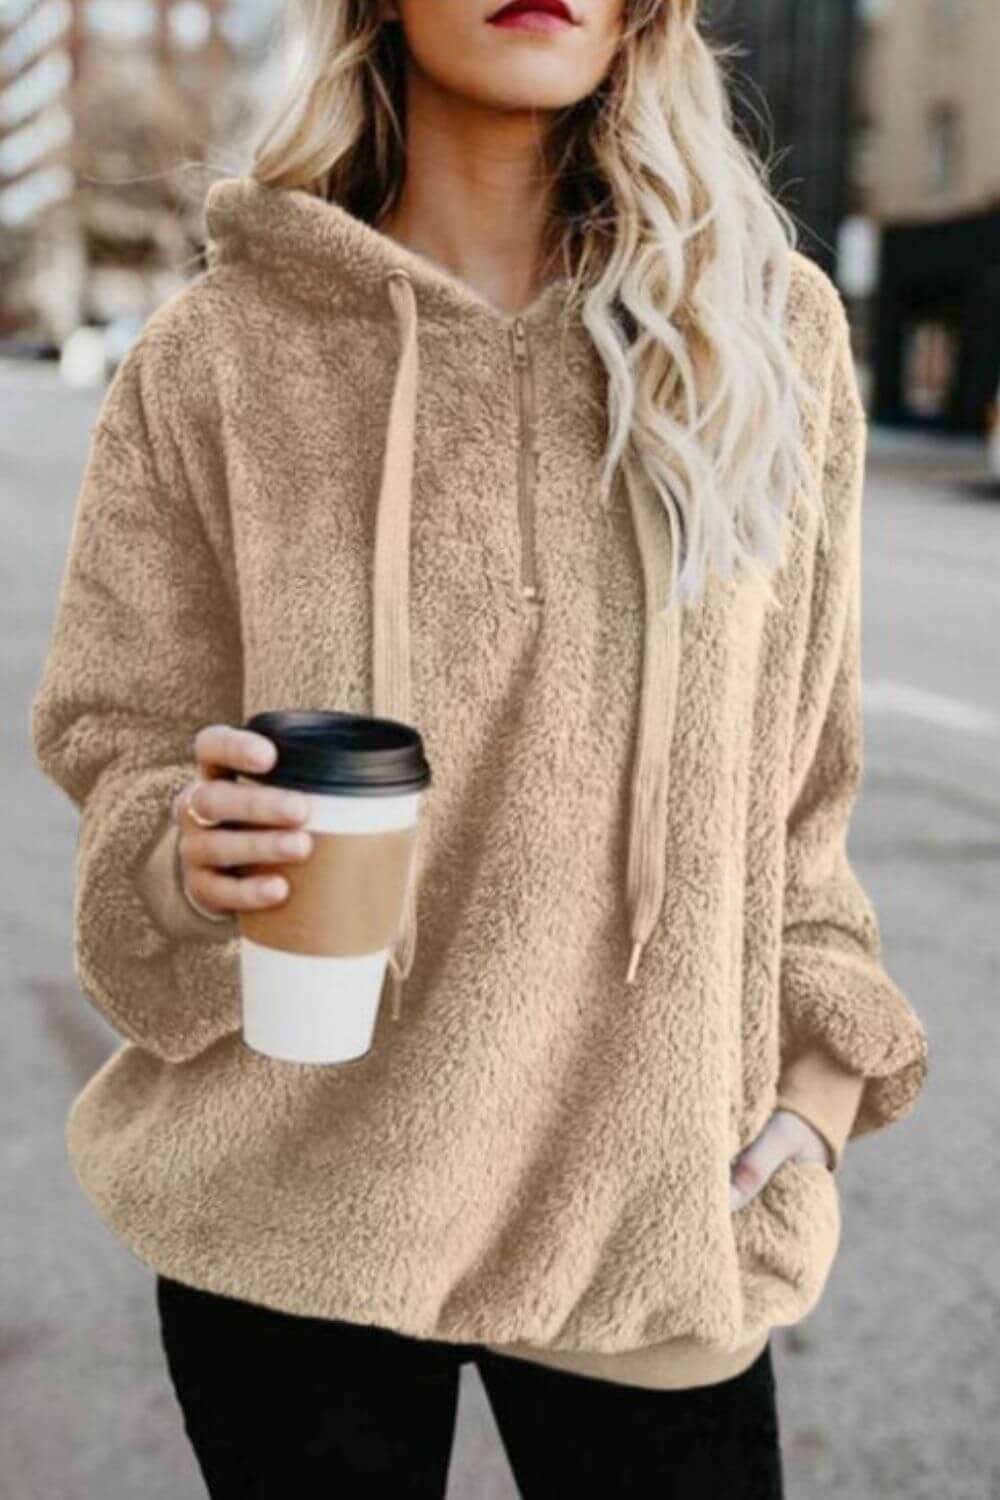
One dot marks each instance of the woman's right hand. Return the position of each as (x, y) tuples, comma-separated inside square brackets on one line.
[(208, 855)]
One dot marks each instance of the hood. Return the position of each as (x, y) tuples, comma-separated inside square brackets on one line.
[(318, 251)]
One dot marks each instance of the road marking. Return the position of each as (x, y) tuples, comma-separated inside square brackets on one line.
[(886, 697)]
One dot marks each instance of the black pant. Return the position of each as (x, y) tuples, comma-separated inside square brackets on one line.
[(281, 1407)]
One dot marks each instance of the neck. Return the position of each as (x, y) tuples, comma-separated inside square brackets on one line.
[(476, 197)]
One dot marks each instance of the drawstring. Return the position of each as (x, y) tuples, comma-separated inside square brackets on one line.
[(391, 624), (645, 877)]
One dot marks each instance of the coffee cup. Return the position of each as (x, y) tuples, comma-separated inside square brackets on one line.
[(313, 966)]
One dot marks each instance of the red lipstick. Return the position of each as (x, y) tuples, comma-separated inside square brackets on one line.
[(534, 15)]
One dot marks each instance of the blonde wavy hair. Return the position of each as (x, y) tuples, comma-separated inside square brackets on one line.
[(677, 255)]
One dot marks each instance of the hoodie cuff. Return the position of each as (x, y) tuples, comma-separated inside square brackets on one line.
[(162, 888), (825, 1094)]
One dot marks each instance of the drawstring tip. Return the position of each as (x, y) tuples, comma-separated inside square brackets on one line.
[(394, 983), (395, 995), (633, 962)]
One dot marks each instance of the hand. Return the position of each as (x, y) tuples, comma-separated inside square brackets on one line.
[(785, 1137), (205, 853)]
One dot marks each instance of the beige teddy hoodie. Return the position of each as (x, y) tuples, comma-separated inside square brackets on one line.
[(330, 474)]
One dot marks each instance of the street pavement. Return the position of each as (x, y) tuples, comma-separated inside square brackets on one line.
[(890, 1389)]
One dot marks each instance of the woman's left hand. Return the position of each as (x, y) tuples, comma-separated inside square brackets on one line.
[(785, 1137)]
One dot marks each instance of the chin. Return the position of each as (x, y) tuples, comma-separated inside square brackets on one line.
[(525, 83)]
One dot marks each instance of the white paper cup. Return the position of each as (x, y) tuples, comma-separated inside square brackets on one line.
[(313, 967)]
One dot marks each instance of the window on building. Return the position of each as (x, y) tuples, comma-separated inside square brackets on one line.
[(863, 147), (190, 25), (929, 362), (942, 142), (120, 22)]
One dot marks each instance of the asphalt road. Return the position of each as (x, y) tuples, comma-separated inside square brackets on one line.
[(890, 1389)]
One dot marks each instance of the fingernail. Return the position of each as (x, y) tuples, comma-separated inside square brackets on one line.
[(295, 805), (273, 889)]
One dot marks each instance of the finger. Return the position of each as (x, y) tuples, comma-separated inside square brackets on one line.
[(236, 892), (212, 848), (226, 801), (759, 1161), (220, 749), (185, 799)]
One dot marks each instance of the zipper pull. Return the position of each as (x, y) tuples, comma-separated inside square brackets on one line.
[(520, 336)]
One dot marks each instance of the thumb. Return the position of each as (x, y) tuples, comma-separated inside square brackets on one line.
[(758, 1162)]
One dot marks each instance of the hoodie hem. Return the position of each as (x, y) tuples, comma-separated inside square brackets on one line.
[(673, 1364)]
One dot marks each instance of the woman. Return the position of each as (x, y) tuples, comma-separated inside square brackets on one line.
[(503, 406)]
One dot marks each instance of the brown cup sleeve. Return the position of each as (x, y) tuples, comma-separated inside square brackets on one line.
[(345, 899)]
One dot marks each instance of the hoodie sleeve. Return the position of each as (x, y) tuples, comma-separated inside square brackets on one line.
[(144, 650), (836, 997), (825, 1094)]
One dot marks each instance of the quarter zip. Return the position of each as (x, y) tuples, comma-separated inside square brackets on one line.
[(524, 384)]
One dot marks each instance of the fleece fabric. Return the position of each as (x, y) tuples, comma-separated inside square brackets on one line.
[(331, 474)]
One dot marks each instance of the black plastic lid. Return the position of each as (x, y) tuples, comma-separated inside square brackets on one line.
[(324, 750)]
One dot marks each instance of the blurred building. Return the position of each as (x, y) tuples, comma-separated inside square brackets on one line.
[(104, 106), (925, 205), (791, 88)]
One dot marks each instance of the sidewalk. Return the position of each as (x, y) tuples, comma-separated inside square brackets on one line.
[(934, 456)]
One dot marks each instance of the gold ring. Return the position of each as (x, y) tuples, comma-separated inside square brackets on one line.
[(196, 817)]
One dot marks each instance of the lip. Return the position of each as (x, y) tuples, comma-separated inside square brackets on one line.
[(534, 15)]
